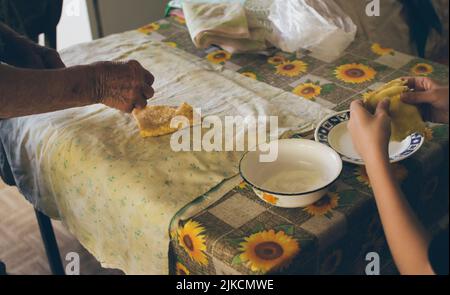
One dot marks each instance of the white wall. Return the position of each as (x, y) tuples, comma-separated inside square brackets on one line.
[(116, 16), (123, 15), (74, 27)]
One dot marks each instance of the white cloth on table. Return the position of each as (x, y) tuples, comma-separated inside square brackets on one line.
[(115, 191)]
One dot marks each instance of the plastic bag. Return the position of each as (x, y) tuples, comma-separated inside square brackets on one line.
[(316, 25)]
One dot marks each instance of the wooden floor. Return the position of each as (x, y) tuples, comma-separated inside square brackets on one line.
[(21, 247)]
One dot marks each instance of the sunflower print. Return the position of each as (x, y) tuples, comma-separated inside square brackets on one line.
[(219, 56), (181, 270), (179, 20), (355, 73), (243, 185), (291, 68), (380, 50), (150, 28), (250, 75), (362, 176), (324, 205), (307, 90), (192, 240), (171, 44), (173, 234), (271, 199), (399, 171), (267, 251), (422, 69), (428, 134), (276, 60)]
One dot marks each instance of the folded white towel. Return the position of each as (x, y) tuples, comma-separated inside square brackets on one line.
[(223, 24)]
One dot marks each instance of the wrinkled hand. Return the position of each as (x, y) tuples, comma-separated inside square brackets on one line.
[(24, 53), (370, 133), (123, 85), (431, 98)]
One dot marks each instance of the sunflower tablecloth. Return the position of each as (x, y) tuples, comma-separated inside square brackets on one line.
[(89, 166), (231, 231)]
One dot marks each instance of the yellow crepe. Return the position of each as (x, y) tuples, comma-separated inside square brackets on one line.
[(155, 120), (406, 118)]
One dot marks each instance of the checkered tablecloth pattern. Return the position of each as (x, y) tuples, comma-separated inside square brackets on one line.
[(240, 234)]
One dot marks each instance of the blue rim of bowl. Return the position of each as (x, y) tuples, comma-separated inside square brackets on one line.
[(416, 139), (291, 194)]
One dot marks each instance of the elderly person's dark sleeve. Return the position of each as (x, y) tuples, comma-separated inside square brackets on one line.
[(31, 18)]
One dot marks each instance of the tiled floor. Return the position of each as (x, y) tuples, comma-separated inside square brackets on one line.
[(21, 247)]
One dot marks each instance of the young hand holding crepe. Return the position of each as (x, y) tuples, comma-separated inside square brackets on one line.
[(406, 118)]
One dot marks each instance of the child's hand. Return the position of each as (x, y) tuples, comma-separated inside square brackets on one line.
[(430, 96), (370, 133)]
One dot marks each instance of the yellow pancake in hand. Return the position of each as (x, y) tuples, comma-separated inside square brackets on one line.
[(155, 120), (406, 118)]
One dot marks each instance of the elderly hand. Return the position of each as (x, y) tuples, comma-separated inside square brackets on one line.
[(24, 53), (370, 133), (431, 98), (122, 85)]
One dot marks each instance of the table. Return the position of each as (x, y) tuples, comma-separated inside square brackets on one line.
[(211, 234), (237, 233), (115, 191)]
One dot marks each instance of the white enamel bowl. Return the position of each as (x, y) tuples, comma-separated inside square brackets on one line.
[(298, 176)]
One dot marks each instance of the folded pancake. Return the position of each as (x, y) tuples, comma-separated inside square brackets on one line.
[(155, 120), (406, 118)]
